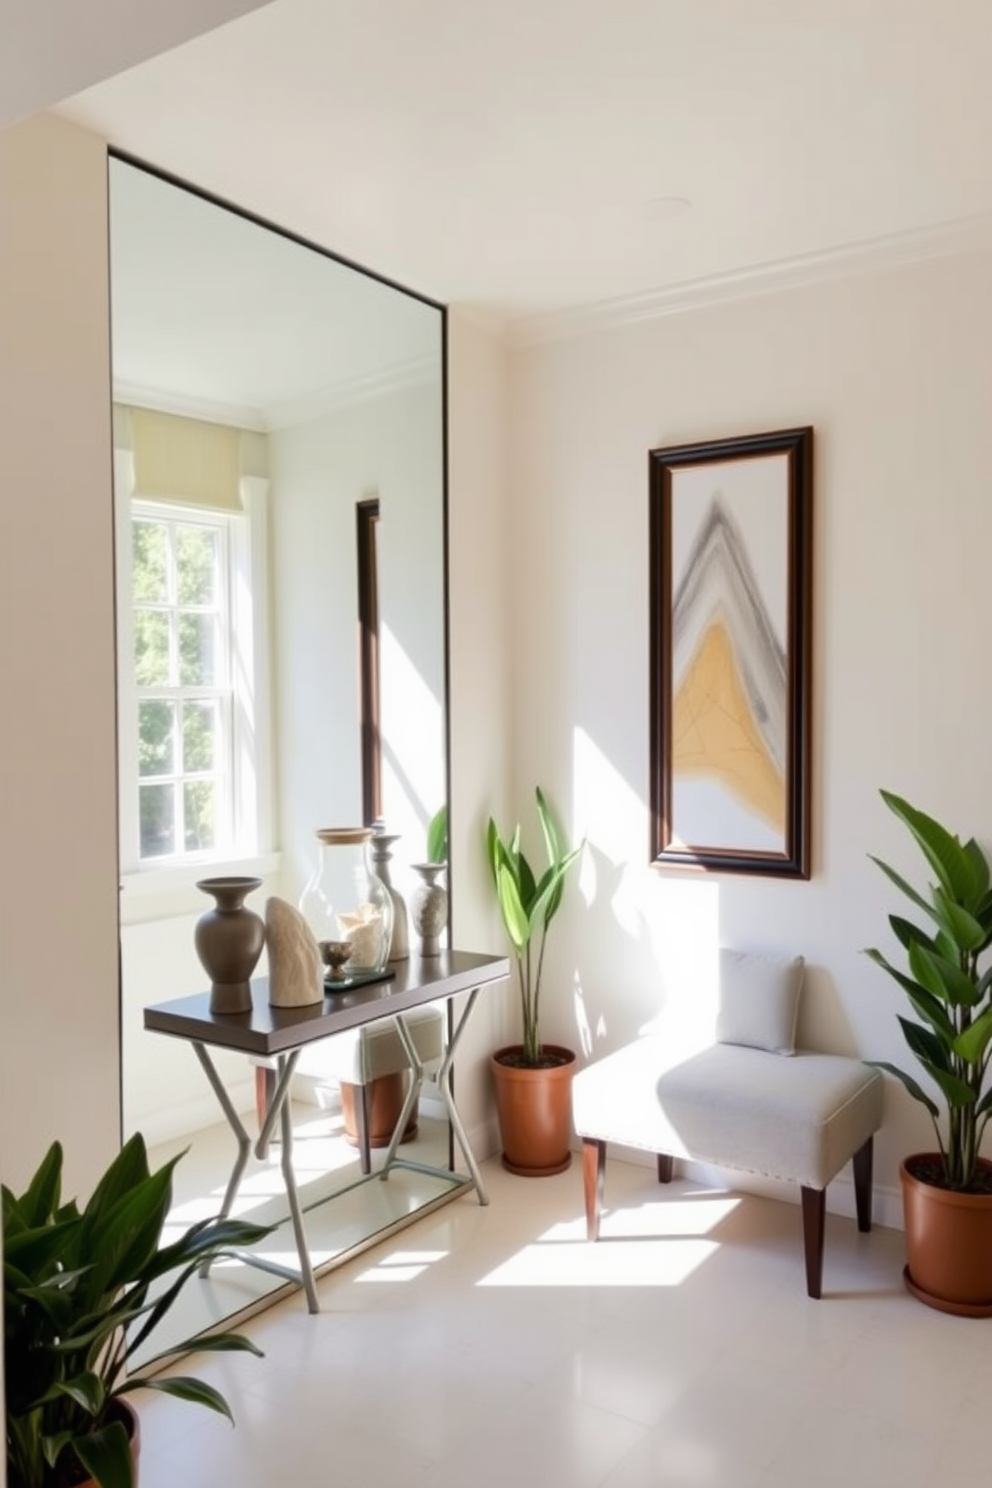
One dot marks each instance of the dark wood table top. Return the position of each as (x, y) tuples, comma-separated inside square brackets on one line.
[(273, 1030)]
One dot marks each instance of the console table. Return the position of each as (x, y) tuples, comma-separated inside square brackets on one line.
[(282, 1033)]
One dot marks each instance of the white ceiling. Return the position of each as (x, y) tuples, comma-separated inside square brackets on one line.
[(502, 155), (214, 316)]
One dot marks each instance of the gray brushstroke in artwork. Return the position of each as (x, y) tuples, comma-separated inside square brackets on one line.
[(719, 581)]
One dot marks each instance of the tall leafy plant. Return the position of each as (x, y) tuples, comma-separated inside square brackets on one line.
[(528, 905), (948, 991), (83, 1290)]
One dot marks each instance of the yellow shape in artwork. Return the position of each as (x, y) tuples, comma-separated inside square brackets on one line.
[(714, 732)]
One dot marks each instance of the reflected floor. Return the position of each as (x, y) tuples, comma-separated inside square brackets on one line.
[(344, 1211)]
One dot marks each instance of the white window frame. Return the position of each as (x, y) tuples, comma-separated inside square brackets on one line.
[(248, 844)]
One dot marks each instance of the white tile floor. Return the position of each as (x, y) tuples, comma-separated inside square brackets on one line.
[(493, 1346)]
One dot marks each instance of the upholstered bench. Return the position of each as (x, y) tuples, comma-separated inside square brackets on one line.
[(751, 1102)]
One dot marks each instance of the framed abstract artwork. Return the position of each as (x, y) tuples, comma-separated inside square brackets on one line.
[(730, 591)]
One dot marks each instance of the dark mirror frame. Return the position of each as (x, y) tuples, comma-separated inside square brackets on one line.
[(791, 661)]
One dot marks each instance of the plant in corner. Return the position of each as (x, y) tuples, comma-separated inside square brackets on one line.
[(947, 1195), (83, 1290), (533, 1079)]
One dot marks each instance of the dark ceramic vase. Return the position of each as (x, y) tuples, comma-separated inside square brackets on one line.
[(229, 940)]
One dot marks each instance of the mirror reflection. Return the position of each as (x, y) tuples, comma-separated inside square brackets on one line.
[(267, 399)]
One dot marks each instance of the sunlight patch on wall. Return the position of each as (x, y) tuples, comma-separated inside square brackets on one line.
[(671, 919), (413, 748)]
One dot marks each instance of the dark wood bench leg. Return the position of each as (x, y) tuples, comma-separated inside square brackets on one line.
[(265, 1089), (862, 1184), (593, 1174), (666, 1167), (814, 1214)]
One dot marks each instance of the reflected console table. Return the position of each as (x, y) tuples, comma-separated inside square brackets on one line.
[(282, 1033)]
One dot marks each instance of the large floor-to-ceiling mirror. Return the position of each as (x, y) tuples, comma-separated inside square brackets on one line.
[(265, 392)]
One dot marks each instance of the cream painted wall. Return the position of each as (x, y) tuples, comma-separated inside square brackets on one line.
[(59, 1057), (895, 373), (480, 684)]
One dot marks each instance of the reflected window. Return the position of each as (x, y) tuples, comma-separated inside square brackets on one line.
[(182, 626)]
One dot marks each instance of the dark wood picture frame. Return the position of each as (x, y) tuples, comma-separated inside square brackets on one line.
[(730, 534), (367, 522)]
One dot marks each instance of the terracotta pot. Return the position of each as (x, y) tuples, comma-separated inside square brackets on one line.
[(534, 1107), (948, 1243), (387, 1095)]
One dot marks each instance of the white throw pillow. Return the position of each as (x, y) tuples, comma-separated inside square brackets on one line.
[(759, 1000)]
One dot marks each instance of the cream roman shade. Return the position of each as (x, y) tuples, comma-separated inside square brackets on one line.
[(185, 460)]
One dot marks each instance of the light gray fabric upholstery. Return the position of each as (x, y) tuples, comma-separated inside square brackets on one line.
[(797, 1119), (759, 1000), (363, 1054)]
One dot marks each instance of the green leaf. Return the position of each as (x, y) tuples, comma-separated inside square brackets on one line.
[(962, 928), (942, 977), (915, 1089), (928, 1006), (40, 1201), (86, 1390), (973, 1041), (927, 1047), (944, 852), (903, 886), (955, 1091), (106, 1456), (907, 933), (184, 1387), (514, 915), (979, 867), (437, 836)]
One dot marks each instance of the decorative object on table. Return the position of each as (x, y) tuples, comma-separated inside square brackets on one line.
[(429, 907), (296, 971), (82, 1294), (229, 939), (382, 851), (947, 1194), (731, 526), (532, 1080), (346, 900)]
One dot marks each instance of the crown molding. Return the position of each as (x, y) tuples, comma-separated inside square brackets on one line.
[(414, 372), (958, 236), (343, 394), (162, 400)]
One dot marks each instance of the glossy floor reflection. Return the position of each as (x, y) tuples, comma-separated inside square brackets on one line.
[(486, 1346)]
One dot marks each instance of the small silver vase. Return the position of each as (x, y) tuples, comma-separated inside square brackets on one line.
[(429, 907), (382, 851)]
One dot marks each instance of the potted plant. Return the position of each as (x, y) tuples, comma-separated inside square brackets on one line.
[(947, 1194), (83, 1290), (533, 1080)]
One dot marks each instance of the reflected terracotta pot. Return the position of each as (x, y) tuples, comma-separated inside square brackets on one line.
[(948, 1243), (387, 1095), (534, 1107)]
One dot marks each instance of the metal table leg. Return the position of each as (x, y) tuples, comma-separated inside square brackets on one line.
[(444, 1082), (240, 1135), (279, 1110), (286, 1066)]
